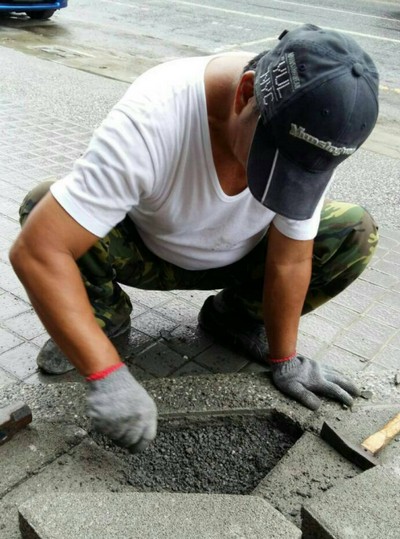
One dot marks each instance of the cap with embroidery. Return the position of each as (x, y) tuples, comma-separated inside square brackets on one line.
[(317, 93)]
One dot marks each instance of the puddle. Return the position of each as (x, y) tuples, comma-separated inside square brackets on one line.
[(219, 454)]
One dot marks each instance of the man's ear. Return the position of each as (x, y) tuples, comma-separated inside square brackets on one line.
[(244, 91)]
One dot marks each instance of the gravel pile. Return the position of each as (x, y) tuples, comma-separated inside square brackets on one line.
[(227, 455)]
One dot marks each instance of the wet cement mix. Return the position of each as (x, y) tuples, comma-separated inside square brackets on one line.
[(225, 455)]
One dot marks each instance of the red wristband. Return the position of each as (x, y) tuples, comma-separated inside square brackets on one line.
[(104, 373), (283, 359)]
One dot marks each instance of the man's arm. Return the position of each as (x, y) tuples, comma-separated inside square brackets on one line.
[(287, 277), (288, 273), (43, 256)]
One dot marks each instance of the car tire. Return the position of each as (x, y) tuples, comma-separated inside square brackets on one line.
[(41, 14)]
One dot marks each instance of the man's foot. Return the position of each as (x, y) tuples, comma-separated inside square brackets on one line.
[(239, 332), (51, 359)]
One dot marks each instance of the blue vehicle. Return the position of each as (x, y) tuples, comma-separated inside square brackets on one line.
[(33, 8)]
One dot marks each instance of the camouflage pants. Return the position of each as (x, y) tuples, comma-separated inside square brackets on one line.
[(344, 245)]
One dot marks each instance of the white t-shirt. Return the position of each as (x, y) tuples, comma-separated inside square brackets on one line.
[(151, 159)]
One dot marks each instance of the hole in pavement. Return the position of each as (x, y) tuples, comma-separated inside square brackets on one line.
[(213, 454)]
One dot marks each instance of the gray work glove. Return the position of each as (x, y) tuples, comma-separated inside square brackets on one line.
[(302, 379), (122, 409)]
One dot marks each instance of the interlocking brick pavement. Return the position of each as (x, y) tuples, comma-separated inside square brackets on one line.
[(358, 330)]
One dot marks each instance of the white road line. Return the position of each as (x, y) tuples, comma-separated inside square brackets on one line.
[(345, 11), (264, 17)]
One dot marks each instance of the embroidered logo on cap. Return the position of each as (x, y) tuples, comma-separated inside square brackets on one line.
[(280, 80), (301, 133)]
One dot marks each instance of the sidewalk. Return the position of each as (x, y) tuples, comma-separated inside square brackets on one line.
[(60, 460)]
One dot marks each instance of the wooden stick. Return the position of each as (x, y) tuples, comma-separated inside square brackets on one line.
[(377, 441)]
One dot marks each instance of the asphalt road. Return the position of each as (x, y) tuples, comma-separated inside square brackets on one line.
[(120, 39)]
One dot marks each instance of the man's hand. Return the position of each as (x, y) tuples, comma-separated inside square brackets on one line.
[(122, 409), (303, 379)]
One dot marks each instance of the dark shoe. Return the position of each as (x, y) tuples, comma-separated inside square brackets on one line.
[(239, 332), (51, 359)]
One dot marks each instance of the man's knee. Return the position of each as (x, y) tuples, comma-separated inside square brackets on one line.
[(32, 198)]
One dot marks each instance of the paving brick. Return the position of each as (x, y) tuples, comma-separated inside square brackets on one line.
[(366, 288), (386, 242), (358, 344), (309, 468), (386, 266), (11, 306), (309, 346), (378, 277), (87, 469), (27, 325), (389, 357), (353, 300), (372, 328), (367, 505), (176, 516), (151, 298), (191, 368), (392, 256), (187, 341), (341, 360), (33, 447), (392, 299), (385, 314), (8, 279), (318, 327), (5, 378), (8, 340), (20, 361), (342, 316), (220, 359), (179, 311), (159, 360), (153, 324)]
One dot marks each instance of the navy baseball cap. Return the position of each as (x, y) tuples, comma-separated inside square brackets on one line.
[(317, 93)]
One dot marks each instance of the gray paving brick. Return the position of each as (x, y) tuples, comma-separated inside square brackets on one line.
[(11, 305), (358, 344), (187, 341), (388, 267), (342, 360), (386, 314), (389, 357), (159, 360), (87, 469), (152, 324), (353, 300), (373, 515), (33, 447), (316, 326), (378, 277), (309, 468), (387, 242), (191, 368), (309, 346), (150, 298), (8, 340), (197, 297), (220, 359), (391, 299), (8, 279), (26, 325), (20, 361), (179, 311), (395, 341), (392, 256), (366, 288), (372, 329), (176, 516), (5, 378), (342, 316)]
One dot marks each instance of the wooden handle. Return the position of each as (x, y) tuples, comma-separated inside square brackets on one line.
[(377, 441)]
